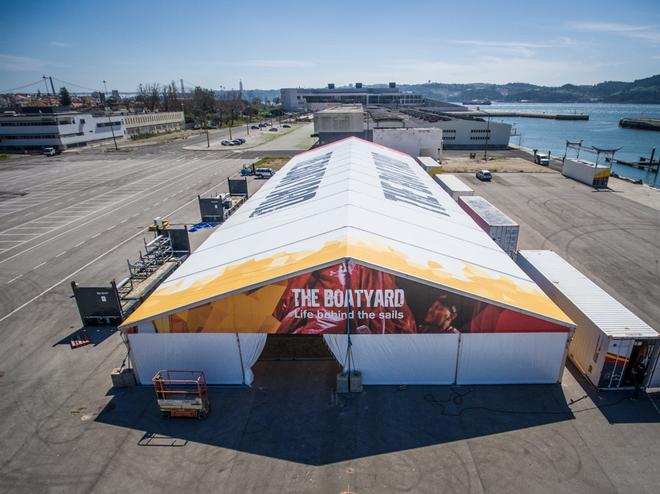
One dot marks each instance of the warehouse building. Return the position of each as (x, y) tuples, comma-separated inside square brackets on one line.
[(353, 243), (153, 123), (457, 133), (299, 99)]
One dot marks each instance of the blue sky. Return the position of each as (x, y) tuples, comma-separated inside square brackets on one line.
[(277, 44)]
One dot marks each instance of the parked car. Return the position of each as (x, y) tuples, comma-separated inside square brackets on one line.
[(484, 175), (286, 126), (263, 125), (226, 143), (254, 127), (48, 151), (243, 141), (272, 129), (236, 142), (264, 173), (542, 159)]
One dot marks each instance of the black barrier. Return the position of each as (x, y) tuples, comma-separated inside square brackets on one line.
[(211, 209), (98, 305), (238, 186), (179, 240)]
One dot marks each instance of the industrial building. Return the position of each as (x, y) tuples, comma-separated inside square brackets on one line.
[(299, 99), (60, 128), (155, 123), (37, 128), (468, 133), (354, 243)]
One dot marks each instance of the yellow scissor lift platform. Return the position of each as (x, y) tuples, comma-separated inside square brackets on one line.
[(181, 393)]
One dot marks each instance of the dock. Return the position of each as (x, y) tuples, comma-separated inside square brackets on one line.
[(640, 123), (527, 114)]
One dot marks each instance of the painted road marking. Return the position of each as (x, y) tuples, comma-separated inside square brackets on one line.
[(14, 279), (55, 285), (39, 265), (60, 254)]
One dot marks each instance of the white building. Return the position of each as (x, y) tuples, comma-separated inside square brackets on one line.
[(143, 123), (342, 121), (36, 129), (300, 99), (415, 141), (61, 130)]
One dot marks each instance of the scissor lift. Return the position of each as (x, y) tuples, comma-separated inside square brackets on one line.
[(182, 393)]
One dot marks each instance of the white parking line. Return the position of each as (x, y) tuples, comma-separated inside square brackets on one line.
[(39, 265), (14, 279), (60, 254)]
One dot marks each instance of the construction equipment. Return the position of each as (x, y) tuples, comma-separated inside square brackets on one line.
[(181, 393)]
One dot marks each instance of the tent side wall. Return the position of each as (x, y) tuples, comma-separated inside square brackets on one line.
[(511, 358), (399, 358), (225, 358)]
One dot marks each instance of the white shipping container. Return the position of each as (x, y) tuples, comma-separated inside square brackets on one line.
[(453, 186), (502, 229), (609, 340), (586, 172)]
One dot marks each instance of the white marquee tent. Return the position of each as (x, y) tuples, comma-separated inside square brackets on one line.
[(355, 242)]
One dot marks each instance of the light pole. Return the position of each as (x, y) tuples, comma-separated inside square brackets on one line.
[(487, 138), (112, 125)]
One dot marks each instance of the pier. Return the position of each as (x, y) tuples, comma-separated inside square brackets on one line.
[(640, 123), (527, 114)]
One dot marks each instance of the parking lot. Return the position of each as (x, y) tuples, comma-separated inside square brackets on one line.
[(65, 429)]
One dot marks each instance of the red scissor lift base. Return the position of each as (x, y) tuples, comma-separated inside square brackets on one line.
[(181, 393)]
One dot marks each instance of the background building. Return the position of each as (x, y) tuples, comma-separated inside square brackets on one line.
[(336, 123), (299, 99), (36, 128), (143, 123)]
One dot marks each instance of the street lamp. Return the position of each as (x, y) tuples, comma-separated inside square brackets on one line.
[(112, 125), (487, 138)]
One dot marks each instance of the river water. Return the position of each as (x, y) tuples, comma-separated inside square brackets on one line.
[(601, 130)]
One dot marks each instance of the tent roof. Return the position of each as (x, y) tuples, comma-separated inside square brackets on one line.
[(351, 199)]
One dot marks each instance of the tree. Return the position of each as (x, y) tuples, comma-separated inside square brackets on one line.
[(65, 97)]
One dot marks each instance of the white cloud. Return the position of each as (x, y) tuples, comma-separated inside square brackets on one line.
[(278, 64), (635, 31), (520, 48), (494, 69), (60, 44), (21, 64)]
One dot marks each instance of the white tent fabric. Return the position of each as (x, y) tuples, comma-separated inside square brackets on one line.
[(399, 358), (217, 354), (511, 358)]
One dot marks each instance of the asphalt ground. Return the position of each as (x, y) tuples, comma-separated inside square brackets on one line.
[(63, 428)]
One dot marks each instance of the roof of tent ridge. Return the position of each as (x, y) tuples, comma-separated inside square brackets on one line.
[(351, 199)]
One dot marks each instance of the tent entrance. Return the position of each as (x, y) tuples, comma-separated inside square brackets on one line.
[(296, 347)]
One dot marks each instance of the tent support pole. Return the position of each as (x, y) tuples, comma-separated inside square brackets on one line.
[(240, 356), (458, 358)]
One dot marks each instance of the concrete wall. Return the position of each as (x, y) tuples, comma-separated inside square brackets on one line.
[(413, 141), (471, 134), (335, 120)]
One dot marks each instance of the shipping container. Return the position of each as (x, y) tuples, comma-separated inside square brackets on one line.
[(586, 172), (430, 165), (502, 229), (453, 186), (612, 347)]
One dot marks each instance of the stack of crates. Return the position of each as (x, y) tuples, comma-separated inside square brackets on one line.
[(502, 229)]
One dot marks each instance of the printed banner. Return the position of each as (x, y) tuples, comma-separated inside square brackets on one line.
[(366, 301)]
